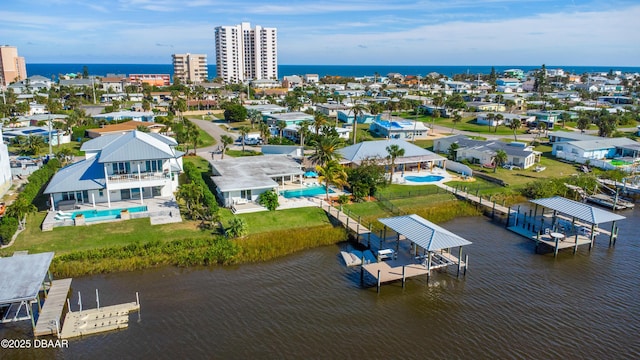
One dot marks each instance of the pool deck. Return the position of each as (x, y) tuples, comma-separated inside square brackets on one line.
[(400, 177), (160, 210)]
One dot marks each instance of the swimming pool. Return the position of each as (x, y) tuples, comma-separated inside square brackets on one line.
[(309, 191), (424, 179), (110, 214)]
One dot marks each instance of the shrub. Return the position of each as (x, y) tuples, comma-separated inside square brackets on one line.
[(269, 199), (8, 227)]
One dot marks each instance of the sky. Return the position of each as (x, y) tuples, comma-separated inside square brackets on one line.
[(318, 32)]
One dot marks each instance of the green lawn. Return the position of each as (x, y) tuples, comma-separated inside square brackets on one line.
[(267, 221)]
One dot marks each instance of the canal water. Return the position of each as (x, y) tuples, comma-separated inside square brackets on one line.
[(512, 304)]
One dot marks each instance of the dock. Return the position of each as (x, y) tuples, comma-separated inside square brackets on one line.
[(93, 321), (486, 204), (51, 313)]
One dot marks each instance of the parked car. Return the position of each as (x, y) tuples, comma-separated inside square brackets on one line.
[(511, 167)]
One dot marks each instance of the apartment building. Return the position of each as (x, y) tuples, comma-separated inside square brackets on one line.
[(244, 53), (151, 79), (12, 66), (190, 68)]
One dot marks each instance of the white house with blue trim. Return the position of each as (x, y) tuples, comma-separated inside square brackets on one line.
[(117, 167)]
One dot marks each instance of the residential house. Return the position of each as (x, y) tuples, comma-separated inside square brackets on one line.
[(550, 118), (292, 132), (399, 128), (266, 109), (597, 149), (364, 118), (311, 78), (292, 81), (485, 106), (483, 118), (42, 131), (145, 116), (241, 180), (483, 152), (125, 127), (79, 83), (289, 118), (117, 167), (414, 158), (114, 83)]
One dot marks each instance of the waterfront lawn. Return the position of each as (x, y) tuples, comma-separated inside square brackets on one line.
[(266, 221), (75, 238)]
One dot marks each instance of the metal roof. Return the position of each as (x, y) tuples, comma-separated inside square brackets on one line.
[(253, 172), (86, 174), (22, 276), (424, 233), (580, 211), (378, 149), (136, 145)]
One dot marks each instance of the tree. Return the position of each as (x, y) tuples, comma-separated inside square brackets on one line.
[(357, 110), (394, 151), (490, 118), (326, 149), (244, 130), (366, 178), (237, 228), (226, 141), (269, 199), (64, 156), (255, 117), (281, 125), (452, 151), (456, 119), (20, 209), (564, 117), (515, 125), (265, 132), (235, 112), (583, 123), (303, 131), (33, 144), (193, 135), (331, 173), (499, 159), (499, 118), (319, 120)]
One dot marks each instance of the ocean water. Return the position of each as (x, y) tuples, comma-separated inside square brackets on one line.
[(49, 70)]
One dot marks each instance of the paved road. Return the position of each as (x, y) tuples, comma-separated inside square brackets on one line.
[(216, 131)]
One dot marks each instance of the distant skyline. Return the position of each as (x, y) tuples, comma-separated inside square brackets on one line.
[(350, 32)]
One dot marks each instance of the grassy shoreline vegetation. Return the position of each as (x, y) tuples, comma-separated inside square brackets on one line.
[(135, 244)]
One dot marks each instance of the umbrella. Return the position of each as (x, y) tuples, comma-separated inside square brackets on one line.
[(311, 174)]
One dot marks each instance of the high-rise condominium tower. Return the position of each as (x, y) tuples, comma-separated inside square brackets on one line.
[(243, 53), (12, 66), (190, 68)]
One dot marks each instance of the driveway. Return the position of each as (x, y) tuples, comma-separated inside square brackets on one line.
[(216, 131)]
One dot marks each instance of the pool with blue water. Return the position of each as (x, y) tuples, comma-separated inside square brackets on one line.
[(424, 179), (110, 214), (303, 192)]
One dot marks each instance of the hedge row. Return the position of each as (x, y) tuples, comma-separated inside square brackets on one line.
[(193, 174), (9, 222)]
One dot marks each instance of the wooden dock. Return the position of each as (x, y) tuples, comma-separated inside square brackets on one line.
[(93, 321), (493, 207), (49, 316)]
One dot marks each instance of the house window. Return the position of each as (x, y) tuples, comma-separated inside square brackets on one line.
[(154, 165), (121, 168), (245, 194)]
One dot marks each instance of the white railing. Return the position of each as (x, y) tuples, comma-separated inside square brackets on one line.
[(145, 176)]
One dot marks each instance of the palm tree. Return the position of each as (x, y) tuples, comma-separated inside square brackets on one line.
[(319, 120), (515, 125), (226, 140), (456, 119), (332, 173), (394, 151), (255, 117), (33, 144), (499, 159), (303, 131), (19, 210), (490, 118), (265, 132), (499, 118), (326, 150), (281, 125), (244, 130), (357, 110)]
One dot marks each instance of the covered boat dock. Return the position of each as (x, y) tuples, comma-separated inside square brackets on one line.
[(430, 249), (569, 224)]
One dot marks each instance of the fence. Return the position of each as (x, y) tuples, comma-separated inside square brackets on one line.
[(581, 160), (459, 168)]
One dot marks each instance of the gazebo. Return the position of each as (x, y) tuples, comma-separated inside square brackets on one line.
[(23, 277), (436, 242)]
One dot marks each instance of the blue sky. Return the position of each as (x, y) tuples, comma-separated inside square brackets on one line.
[(347, 32)]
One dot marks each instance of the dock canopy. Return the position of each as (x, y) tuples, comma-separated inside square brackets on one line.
[(424, 233), (22, 277), (578, 210)]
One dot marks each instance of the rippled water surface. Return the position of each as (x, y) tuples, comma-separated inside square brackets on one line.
[(512, 304)]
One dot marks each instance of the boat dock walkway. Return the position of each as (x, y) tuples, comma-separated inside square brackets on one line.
[(493, 207), (93, 321), (49, 317)]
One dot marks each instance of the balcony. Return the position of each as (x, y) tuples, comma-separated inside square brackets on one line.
[(144, 176)]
